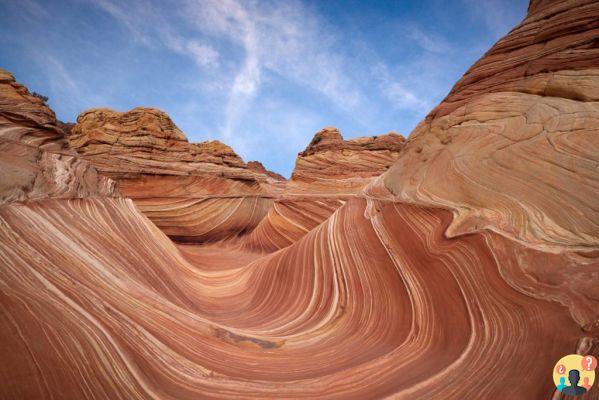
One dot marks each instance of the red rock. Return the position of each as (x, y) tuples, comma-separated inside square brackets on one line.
[(327, 172), (258, 167), (35, 161), (186, 189), (463, 272)]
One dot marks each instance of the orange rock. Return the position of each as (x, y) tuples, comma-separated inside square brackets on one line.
[(258, 167), (514, 149), (463, 272), (35, 161), (195, 192), (327, 172), (145, 141), (330, 158)]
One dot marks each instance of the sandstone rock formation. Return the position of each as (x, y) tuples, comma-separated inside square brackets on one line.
[(193, 191), (514, 149), (329, 171), (145, 141), (465, 271), (331, 164), (36, 162), (258, 167), (204, 192)]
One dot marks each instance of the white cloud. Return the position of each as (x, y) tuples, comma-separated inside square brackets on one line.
[(398, 92), (59, 78), (150, 28), (66, 92), (284, 38), (128, 16), (498, 15), (244, 44), (427, 40), (204, 55)]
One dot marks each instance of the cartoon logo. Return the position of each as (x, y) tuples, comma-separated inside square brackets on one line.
[(574, 374)]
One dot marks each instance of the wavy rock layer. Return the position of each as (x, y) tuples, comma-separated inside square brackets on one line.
[(518, 135), (35, 161), (177, 184), (520, 157), (87, 317), (327, 173), (289, 220), (463, 272), (554, 52)]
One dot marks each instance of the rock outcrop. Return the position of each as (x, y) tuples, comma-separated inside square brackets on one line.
[(514, 149), (258, 167), (464, 271), (35, 160), (516, 138), (328, 172), (331, 162), (195, 192), (554, 52), (146, 141)]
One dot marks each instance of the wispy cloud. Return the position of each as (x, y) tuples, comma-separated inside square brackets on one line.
[(59, 78), (398, 92), (67, 90), (204, 55), (258, 74), (231, 19), (426, 40), (130, 15), (282, 38), (150, 28), (498, 15)]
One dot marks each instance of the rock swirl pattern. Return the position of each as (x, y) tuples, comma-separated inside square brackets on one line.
[(463, 272)]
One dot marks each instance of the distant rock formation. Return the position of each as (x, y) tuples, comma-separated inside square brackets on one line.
[(258, 167), (145, 141), (186, 189), (328, 172), (464, 271), (329, 158)]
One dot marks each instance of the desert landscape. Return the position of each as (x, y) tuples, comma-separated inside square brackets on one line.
[(459, 262)]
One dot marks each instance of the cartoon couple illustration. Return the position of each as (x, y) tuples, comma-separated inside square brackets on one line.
[(573, 389)]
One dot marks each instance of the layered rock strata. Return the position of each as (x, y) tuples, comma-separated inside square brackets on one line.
[(195, 192), (328, 172), (514, 149), (463, 272), (35, 160)]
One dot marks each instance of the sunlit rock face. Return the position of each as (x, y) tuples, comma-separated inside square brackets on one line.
[(465, 271), (145, 141), (35, 160), (332, 165), (514, 149), (328, 172), (195, 192), (258, 167)]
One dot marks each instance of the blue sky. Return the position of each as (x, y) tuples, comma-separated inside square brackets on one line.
[(261, 76)]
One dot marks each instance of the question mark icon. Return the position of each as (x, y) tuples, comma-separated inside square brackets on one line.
[(589, 363), (560, 369)]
